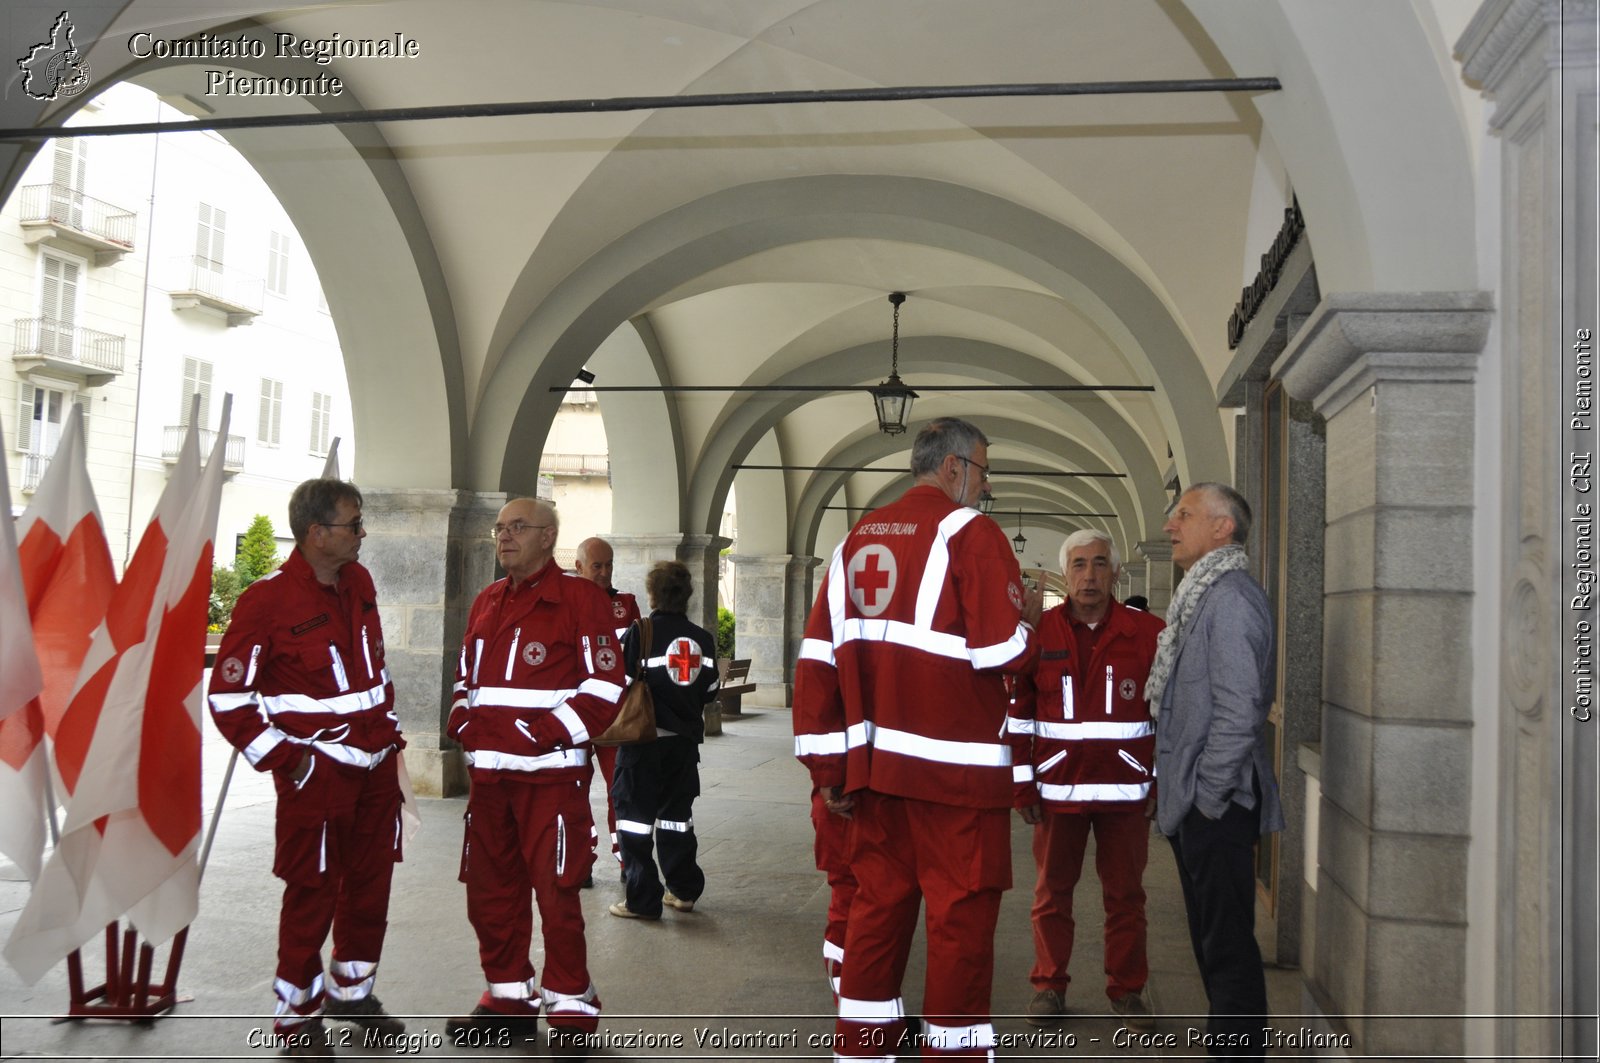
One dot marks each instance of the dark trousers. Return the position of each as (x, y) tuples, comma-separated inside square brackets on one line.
[(655, 787), (1216, 866)]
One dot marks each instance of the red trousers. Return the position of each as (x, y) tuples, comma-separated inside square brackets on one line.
[(959, 859), (833, 860), (524, 837), (1121, 848), (338, 838)]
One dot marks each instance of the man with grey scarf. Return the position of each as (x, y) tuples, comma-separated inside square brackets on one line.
[(1211, 687)]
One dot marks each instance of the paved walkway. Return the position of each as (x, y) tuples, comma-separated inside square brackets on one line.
[(739, 978)]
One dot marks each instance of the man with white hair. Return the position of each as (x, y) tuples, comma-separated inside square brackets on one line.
[(1081, 723)]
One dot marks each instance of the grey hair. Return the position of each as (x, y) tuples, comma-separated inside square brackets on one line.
[(1231, 503), (1084, 538), (941, 438), (317, 502)]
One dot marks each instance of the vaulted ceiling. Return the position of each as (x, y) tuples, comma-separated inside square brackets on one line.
[(474, 264)]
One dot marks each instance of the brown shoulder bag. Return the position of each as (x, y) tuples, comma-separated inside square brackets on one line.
[(636, 718)]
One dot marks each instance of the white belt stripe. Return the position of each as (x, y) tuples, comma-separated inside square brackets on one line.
[(519, 697), (816, 650), (633, 826), (977, 754), (1093, 729), (494, 760), (340, 705), (1103, 791), (872, 1012), (900, 633)]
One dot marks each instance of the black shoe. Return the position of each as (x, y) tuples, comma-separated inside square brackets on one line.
[(588, 883), (367, 1013), (309, 1040), (487, 1028)]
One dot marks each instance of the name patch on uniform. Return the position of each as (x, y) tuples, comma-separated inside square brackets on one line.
[(310, 625), (1054, 655)]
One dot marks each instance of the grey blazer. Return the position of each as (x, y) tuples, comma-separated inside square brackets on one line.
[(1211, 734)]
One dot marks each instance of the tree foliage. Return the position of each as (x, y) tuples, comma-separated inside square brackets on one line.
[(225, 590), (724, 632), (258, 552)]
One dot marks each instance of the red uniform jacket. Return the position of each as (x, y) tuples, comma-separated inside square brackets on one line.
[(899, 688), (540, 673), (624, 610), (302, 664), (1085, 726)]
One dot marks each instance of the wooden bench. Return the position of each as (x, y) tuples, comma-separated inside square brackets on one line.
[(734, 684)]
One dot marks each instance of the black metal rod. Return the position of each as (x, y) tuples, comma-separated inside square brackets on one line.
[(999, 513), (819, 388), (653, 103), (992, 472)]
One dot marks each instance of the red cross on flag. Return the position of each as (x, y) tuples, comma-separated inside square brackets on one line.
[(67, 568), (683, 661), (129, 743)]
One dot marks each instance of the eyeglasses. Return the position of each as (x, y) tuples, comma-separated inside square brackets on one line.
[(984, 469), (353, 525), (517, 528)]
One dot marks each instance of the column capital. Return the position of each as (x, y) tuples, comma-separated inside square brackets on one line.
[(1355, 340), (1511, 47), (775, 560), (1155, 550)]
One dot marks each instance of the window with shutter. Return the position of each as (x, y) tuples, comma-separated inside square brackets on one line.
[(67, 181), (321, 422), (41, 412), (278, 264), (58, 304), (196, 380), (270, 421), (209, 233)]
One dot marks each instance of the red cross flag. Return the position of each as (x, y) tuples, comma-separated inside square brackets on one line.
[(129, 743), (20, 678), (66, 566)]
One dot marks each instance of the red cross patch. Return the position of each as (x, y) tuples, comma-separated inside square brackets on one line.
[(1126, 689), (605, 658), (683, 661), (534, 653), (618, 610), (1014, 592), (232, 670), (871, 579)]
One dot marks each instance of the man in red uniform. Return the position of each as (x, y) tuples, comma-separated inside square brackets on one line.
[(540, 673), (1082, 722), (899, 714), (594, 563), (300, 688)]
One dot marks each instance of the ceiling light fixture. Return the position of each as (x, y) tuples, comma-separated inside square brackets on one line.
[(1019, 540), (986, 502), (892, 398)]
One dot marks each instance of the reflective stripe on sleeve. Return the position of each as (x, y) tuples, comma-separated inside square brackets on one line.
[(1020, 725), (816, 650), (573, 723), (262, 744), (814, 745), (602, 689), (1021, 773), (1002, 652)]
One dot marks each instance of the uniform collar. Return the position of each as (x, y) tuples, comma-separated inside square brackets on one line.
[(296, 565), (544, 585)]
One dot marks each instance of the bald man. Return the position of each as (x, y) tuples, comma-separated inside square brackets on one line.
[(540, 673), (594, 563)]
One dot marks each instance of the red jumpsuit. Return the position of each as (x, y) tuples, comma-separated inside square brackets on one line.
[(624, 610), (540, 672), (899, 699), (301, 668), (1082, 722)]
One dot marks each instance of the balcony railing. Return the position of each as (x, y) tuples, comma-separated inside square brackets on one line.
[(43, 341), (62, 214), (33, 467), (575, 465), (203, 282), (172, 444)]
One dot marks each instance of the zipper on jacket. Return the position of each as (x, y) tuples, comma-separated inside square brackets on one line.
[(1050, 762), (511, 658), (1066, 695), (561, 845), (1108, 690), (366, 651), (477, 659), (1133, 762), (338, 668)]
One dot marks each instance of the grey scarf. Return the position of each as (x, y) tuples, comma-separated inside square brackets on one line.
[(1196, 582)]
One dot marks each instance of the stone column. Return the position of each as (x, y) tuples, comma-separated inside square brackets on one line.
[(1137, 575), (1537, 62), (632, 556), (429, 554), (1157, 554), (703, 555), (800, 592), (758, 608), (1393, 375)]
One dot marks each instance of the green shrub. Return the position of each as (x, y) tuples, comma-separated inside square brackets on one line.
[(724, 632), (225, 590), (258, 552)]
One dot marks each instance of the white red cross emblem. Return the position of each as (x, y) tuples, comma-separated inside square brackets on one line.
[(618, 610), (1126, 689), (1014, 592), (683, 661), (534, 654), (232, 670), (605, 658), (871, 579)]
